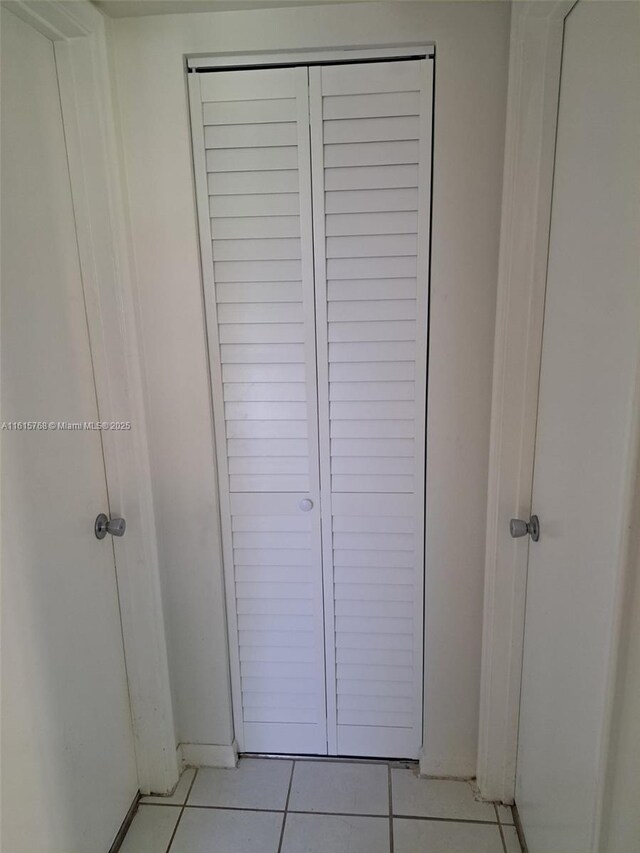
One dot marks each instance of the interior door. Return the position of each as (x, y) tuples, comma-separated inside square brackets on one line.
[(371, 157), (69, 773), (589, 359)]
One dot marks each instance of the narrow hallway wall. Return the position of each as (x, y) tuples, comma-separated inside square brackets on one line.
[(471, 78)]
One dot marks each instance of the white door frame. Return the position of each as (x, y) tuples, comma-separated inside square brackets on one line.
[(535, 59), (78, 33), (534, 81)]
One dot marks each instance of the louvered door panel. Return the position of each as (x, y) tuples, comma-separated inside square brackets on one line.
[(251, 149), (279, 620), (347, 415), (371, 133)]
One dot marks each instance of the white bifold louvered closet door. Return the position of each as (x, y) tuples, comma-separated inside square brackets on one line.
[(313, 191)]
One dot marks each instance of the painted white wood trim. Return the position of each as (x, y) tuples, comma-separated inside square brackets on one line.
[(209, 754), (79, 38), (215, 373), (314, 382), (421, 699), (320, 271), (532, 104), (305, 56)]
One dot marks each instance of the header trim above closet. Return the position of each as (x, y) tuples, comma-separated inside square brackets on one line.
[(290, 58)]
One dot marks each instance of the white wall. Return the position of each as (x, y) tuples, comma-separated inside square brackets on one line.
[(471, 75)]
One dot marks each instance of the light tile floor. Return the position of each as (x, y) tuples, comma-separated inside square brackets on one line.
[(319, 806)]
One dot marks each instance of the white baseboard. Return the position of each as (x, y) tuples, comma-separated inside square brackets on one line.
[(209, 754), (451, 767)]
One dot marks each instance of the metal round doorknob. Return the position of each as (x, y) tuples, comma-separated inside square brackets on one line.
[(306, 505), (519, 527), (104, 524)]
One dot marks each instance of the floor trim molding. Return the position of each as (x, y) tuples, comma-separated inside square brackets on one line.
[(126, 823)]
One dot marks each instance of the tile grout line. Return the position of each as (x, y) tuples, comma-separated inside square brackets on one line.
[(390, 809), (445, 819), (216, 808), (184, 805), (331, 814), (500, 830), (286, 806)]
